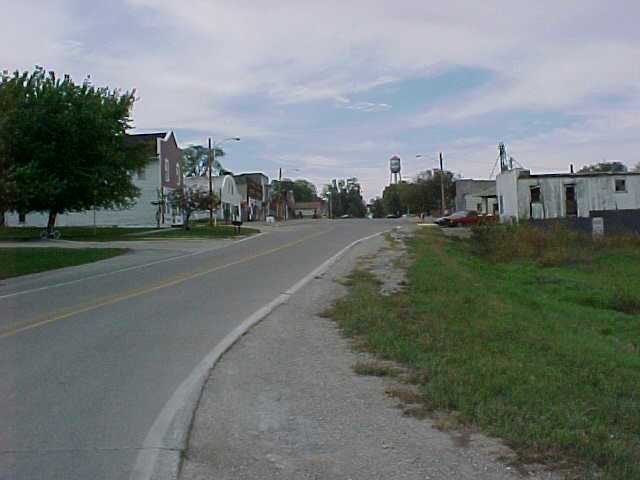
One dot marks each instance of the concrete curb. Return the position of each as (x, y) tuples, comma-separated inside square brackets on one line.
[(161, 454)]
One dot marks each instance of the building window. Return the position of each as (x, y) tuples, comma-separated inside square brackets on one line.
[(166, 169), (178, 173), (501, 202), (142, 174), (621, 185), (535, 194)]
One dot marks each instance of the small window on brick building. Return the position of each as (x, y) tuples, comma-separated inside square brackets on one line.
[(621, 185), (166, 170), (535, 194)]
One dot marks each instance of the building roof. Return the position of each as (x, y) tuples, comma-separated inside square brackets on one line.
[(524, 173), (473, 180), (148, 139), (579, 175), (251, 174)]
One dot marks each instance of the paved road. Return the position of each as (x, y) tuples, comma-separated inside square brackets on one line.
[(86, 366)]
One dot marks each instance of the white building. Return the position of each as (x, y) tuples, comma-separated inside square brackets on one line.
[(522, 195), (227, 190), (253, 188), (161, 175), (478, 195)]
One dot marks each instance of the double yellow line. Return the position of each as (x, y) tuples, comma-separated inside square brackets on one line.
[(176, 280)]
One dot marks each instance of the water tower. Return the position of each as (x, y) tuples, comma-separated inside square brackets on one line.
[(394, 166)]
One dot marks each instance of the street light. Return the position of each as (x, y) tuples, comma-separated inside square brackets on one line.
[(441, 182), (212, 158)]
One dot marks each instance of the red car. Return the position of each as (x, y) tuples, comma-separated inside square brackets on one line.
[(461, 218)]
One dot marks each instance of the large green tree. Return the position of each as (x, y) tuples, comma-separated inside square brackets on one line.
[(345, 198), (303, 190), (10, 93), (422, 195), (195, 161), (67, 142), (377, 208)]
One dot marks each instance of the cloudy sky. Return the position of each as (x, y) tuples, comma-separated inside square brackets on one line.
[(327, 89)]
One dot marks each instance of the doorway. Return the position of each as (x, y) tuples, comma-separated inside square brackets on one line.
[(570, 200)]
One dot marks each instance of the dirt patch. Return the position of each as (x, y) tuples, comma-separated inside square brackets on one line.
[(389, 264)]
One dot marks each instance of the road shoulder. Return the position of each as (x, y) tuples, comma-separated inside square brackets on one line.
[(284, 402)]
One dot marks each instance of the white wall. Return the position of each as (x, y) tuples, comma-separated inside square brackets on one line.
[(592, 193), (507, 191), (143, 213)]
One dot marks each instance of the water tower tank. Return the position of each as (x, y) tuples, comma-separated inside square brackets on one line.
[(394, 164)]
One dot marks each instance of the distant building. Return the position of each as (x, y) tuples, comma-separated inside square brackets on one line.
[(160, 176), (225, 187), (478, 195), (615, 197), (253, 188), (313, 209)]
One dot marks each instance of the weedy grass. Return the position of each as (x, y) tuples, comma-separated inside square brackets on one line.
[(22, 261), (542, 354)]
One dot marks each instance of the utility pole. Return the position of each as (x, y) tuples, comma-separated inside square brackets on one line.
[(441, 186), (211, 157)]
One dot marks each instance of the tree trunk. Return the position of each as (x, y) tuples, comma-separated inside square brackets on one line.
[(2, 220), (52, 221), (187, 226)]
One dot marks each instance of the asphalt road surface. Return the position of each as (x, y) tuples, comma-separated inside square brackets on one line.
[(90, 355)]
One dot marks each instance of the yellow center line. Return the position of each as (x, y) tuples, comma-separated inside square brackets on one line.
[(176, 280)]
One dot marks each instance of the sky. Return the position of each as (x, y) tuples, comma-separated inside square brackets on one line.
[(332, 89)]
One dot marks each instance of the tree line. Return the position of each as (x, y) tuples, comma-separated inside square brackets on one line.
[(63, 145), (345, 198), (423, 195)]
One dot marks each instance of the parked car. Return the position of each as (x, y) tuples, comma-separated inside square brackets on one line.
[(461, 218), (346, 215), (393, 215)]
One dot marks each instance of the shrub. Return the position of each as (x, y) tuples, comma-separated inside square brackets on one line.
[(551, 245)]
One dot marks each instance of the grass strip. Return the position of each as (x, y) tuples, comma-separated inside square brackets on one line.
[(22, 261), (110, 234), (101, 234), (547, 358)]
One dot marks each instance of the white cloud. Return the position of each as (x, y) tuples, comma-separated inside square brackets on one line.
[(188, 58)]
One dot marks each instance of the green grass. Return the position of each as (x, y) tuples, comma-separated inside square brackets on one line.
[(22, 261), (102, 234), (107, 234), (547, 358)]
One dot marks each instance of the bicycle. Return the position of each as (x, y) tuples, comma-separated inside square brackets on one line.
[(54, 235)]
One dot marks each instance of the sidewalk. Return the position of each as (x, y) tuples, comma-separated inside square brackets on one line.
[(284, 403)]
